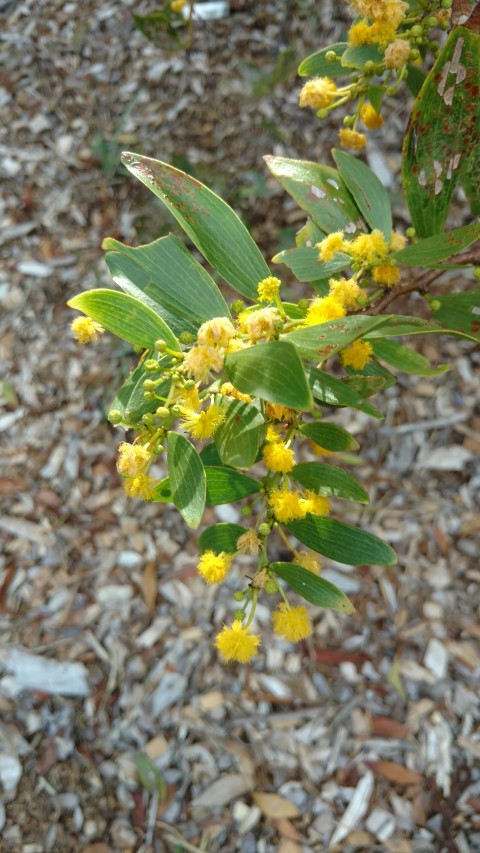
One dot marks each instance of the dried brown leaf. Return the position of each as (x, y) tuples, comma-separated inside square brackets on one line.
[(395, 772), (274, 805)]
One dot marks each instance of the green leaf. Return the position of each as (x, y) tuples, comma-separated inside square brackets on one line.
[(415, 79), (316, 65), (330, 436), (432, 250), (329, 481), (341, 542), (443, 132), (309, 235), (323, 341), (459, 311), (398, 325), (162, 492), (375, 96), (225, 485), (211, 224), (272, 371), (220, 537), (336, 392), (312, 588), (366, 385), (356, 57), (470, 180), (209, 456), (406, 359), (369, 193), (371, 370), (187, 478), (130, 398), (124, 316), (320, 191), (306, 266), (149, 776), (165, 271), (239, 437)]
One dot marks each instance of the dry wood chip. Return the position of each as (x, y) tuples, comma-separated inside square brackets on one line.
[(395, 772), (223, 791), (356, 809), (274, 805)]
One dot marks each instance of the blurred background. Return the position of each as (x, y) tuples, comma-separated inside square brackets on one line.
[(119, 728)]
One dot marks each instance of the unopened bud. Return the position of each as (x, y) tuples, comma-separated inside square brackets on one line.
[(271, 586), (115, 416), (239, 595), (160, 345), (237, 306), (331, 56), (149, 385), (369, 67), (239, 614), (264, 529)]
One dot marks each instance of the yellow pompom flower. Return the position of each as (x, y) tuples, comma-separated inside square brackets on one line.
[(370, 117), (236, 643), (397, 241), (318, 93), (362, 33), (140, 486), (228, 390), (248, 543), (273, 433), (261, 324), (330, 245), (316, 504), (346, 291), (213, 567), (323, 309), (292, 623), (369, 248), (386, 274), (200, 361), (357, 355), (268, 289), (131, 458), (216, 333), (352, 139), (397, 53), (308, 561), (278, 412), (85, 329), (391, 12), (202, 425), (278, 458), (286, 505), (190, 399)]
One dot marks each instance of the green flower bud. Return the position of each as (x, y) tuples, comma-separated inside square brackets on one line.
[(271, 586), (239, 614), (149, 385), (410, 233), (435, 304), (160, 345), (446, 4), (138, 349), (431, 22), (322, 114), (149, 395), (303, 304), (238, 306), (177, 411), (444, 25), (189, 385), (162, 412), (150, 365), (148, 419), (246, 511), (186, 338), (417, 30), (115, 416), (348, 121), (264, 529), (331, 56), (414, 54), (239, 595), (158, 448), (369, 67)]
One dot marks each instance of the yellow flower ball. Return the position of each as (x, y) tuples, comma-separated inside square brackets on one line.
[(214, 567), (352, 139), (278, 458), (236, 643), (370, 117), (292, 623), (357, 355), (318, 93)]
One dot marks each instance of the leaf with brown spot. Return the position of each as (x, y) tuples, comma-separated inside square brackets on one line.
[(443, 131), (395, 772)]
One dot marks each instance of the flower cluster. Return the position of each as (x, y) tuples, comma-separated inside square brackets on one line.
[(395, 34)]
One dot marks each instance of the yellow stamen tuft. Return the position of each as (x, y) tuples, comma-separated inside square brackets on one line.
[(386, 274), (236, 643), (286, 505), (370, 117), (318, 93), (85, 329), (292, 623), (357, 355), (268, 289), (140, 486), (330, 245), (216, 333), (278, 458), (203, 425), (213, 567), (346, 291), (131, 458), (323, 309), (352, 139)]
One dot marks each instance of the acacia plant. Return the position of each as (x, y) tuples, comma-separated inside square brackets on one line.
[(228, 394)]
